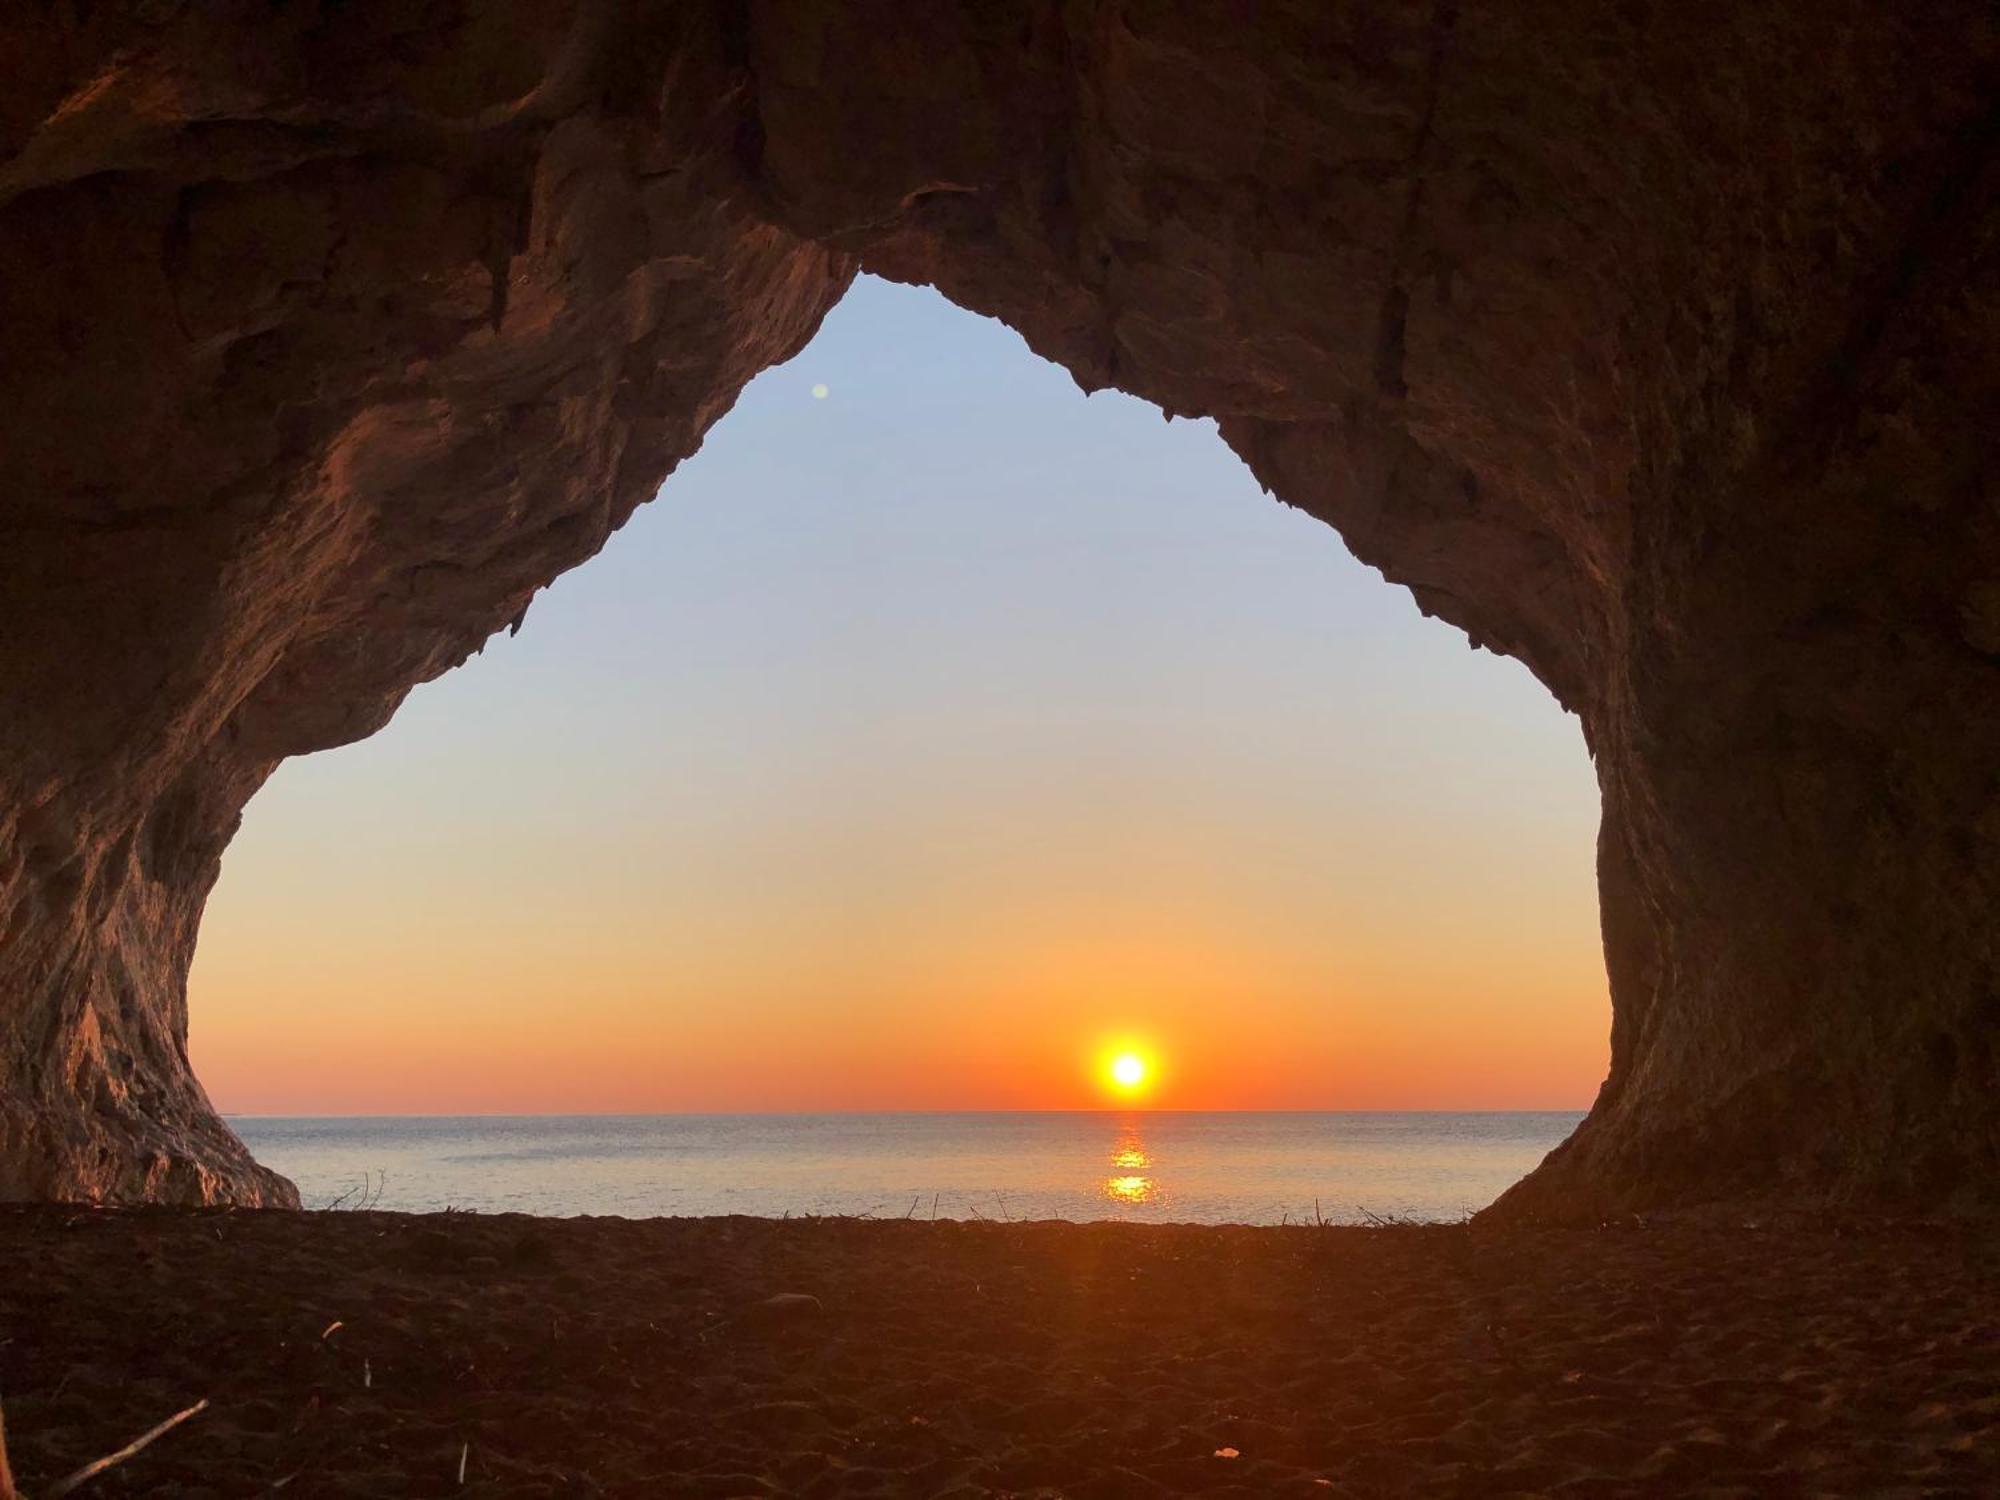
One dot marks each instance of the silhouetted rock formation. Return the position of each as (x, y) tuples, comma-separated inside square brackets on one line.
[(1654, 346)]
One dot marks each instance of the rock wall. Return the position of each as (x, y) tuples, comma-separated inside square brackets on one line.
[(329, 339), (1655, 347)]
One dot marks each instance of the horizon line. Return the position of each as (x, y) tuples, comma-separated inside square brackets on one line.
[(691, 1114)]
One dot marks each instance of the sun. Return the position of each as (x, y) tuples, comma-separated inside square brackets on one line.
[(1124, 1068), (1128, 1072)]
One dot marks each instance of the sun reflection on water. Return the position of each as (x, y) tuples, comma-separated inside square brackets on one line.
[(1129, 1184), (1129, 1189)]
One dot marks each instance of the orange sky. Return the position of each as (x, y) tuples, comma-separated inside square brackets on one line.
[(458, 1012), (923, 738)]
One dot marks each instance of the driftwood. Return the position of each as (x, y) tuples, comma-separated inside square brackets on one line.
[(7, 1490), (91, 1470)]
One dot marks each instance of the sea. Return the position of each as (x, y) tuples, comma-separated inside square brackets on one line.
[(1143, 1166)]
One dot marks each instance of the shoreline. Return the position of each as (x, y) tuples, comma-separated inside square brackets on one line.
[(366, 1353)]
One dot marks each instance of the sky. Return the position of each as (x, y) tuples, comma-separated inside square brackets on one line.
[(937, 732)]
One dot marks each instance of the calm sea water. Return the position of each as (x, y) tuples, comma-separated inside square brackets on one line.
[(1147, 1166)]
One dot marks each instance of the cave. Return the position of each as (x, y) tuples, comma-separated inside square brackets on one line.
[(1654, 348)]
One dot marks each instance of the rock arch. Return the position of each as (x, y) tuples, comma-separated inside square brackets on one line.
[(1655, 348)]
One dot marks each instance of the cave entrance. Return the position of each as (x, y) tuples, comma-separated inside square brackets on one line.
[(934, 721)]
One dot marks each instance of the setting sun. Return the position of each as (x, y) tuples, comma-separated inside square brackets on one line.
[(1128, 1071)]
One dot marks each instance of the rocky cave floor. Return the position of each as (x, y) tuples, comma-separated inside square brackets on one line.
[(349, 1354)]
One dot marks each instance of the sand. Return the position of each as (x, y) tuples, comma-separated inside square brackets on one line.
[(351, 1354)]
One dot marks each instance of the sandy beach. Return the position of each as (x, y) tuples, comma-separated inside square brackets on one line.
[(352, 1354)]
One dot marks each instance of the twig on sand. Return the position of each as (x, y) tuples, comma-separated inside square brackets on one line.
[(363, 1197), (7, 1490), (138, 1444)]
